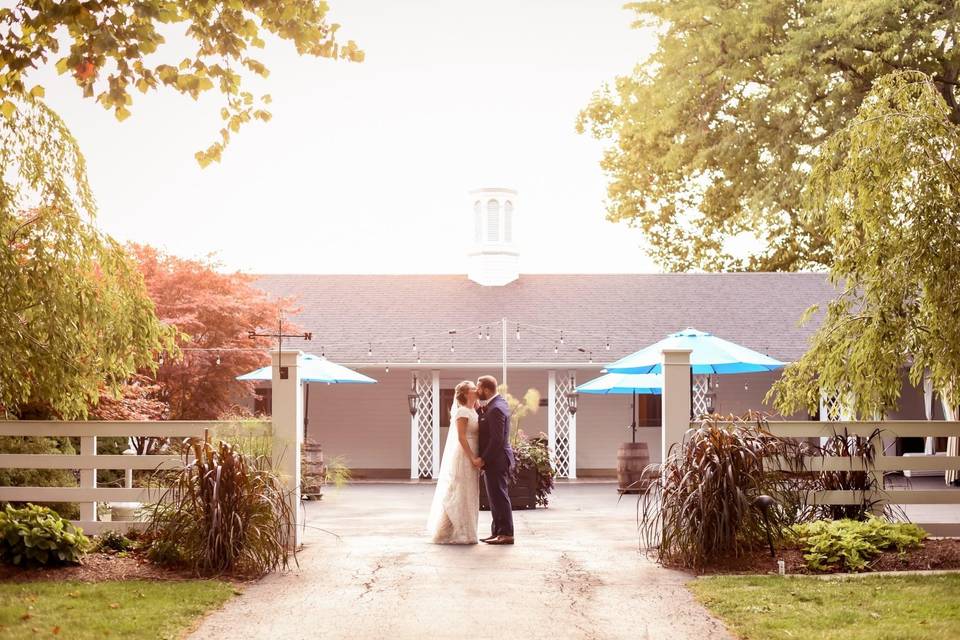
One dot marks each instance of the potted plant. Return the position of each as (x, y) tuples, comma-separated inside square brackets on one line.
[(532, 479)]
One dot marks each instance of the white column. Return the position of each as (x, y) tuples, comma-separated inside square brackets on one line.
[(414, 432), (552, 415), (675, 400), (288, 431), (572, 471), (435, 471)]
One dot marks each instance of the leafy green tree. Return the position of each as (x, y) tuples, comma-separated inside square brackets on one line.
[(713, 136), (115, 46), (885, 190), (75, 317)]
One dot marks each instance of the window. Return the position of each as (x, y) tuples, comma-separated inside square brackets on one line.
[(508, 222), (477, 222), (493, 221)]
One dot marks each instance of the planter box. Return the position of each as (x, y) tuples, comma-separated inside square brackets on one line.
[(523, 492)]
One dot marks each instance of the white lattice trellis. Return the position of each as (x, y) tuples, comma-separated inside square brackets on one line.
[(423, 389), (699, 396), (564, 430), (833, 408)]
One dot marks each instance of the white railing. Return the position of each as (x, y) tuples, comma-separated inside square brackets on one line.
[(887, 430), (88, 494)]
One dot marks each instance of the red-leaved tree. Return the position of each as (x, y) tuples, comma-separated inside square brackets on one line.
[(213, 312)]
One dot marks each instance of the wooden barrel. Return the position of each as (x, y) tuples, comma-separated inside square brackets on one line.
[(632, 458)]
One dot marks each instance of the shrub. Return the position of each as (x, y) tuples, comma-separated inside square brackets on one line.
[(114, 541), (702, 504), (224, 512), (37, 535), (852, 544), (40, 477), (337, 472)]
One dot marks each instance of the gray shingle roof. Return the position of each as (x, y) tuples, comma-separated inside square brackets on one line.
[(345, 312)]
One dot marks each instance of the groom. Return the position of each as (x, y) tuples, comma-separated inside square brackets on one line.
[(496, 458)]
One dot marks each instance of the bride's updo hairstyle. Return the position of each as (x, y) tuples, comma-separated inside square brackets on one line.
[(460, 393)]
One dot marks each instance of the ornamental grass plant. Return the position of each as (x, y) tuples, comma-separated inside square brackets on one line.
[(223, 513)]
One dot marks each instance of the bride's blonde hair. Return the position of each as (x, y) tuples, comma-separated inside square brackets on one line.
[(460, 392)]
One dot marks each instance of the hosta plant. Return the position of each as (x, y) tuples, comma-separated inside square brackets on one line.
[(852, 544), (222, 512), (37, 535)]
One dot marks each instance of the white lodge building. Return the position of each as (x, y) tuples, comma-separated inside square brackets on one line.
[(422, 334)]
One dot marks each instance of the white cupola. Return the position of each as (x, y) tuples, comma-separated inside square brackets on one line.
[(493, 260)]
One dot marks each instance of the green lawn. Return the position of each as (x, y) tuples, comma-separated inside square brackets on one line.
[(133, 609), (872, 608)]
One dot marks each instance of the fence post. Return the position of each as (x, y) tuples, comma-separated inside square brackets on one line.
[(675, 400), (287, 425), (88, 478)]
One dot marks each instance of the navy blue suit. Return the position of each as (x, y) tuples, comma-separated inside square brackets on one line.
[(498, 461)]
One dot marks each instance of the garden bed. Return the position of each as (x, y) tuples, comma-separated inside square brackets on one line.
[(932, 555), (96, 567)]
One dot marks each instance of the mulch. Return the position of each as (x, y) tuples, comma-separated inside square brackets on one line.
[(934, 554), (96, 567)]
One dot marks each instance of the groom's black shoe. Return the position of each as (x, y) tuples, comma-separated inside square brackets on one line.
[(488, 538), (501, 540)]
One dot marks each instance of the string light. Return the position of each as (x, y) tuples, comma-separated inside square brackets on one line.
[(480, 334), (451, 346), (418, 357), (555, 348), (218, 359), (323, 351), (561, 336), (608, 343), (414, 344), (518, 331), (488, 333), (387, 368), (370, 350), (161, 358)]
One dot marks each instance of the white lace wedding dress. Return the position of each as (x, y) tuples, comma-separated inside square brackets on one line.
[(456, 502)]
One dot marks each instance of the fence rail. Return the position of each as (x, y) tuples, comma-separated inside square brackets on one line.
[(88, 494), (887, 430)]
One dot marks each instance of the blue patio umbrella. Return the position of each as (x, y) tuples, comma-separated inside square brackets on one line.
[(709, 355), (625, 383), (313, 369)]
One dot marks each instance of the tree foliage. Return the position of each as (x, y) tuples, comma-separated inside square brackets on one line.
[(885, 191), (114, 47), (715, 133), (213, 313), (75, 318)]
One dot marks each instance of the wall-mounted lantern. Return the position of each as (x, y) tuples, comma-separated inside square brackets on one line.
[(572, 403)]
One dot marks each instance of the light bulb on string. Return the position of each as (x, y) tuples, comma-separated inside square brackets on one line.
[(556, 349), (451, 346), (518, 331), (488, 333), (746, 387), (161, 358), (387, 368), (370, 350), (418, 357), (561, 336), (218, 359), (480, 334), (323, 351), (414, 344), (608, 343)]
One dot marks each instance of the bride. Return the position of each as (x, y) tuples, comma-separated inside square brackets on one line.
[(456, 502)]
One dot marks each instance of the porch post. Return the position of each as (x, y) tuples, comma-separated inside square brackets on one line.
[(287, 421), (572, 434), (953, 446), (929, 443), (435, 470), (552, 415), (675, 400), (414, 463)]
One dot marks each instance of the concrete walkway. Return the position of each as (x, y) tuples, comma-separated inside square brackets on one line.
[(575, 572)]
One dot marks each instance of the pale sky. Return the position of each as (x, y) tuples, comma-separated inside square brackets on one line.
[(365, 167)]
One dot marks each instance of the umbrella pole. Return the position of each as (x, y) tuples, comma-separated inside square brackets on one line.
[(633, 418), (306, 408)]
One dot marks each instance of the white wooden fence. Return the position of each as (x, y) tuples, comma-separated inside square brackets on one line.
[(88, 494), (882, 462)]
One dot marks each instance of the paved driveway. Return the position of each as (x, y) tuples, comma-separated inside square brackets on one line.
[(575, 572)]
